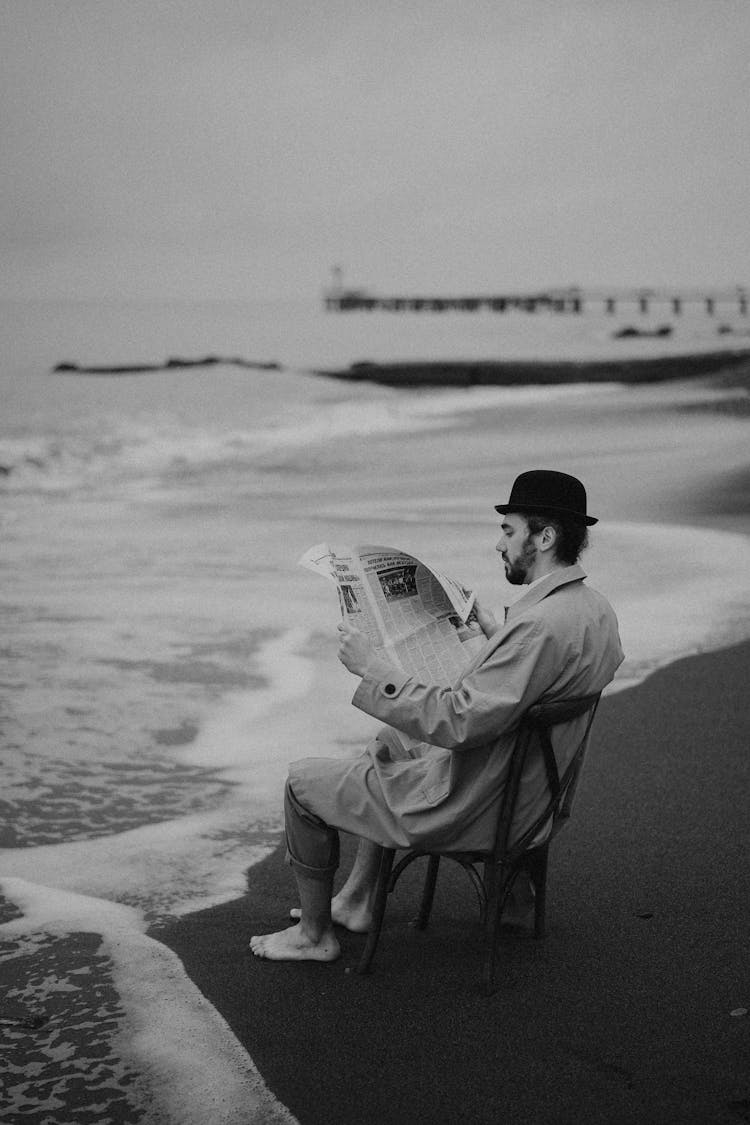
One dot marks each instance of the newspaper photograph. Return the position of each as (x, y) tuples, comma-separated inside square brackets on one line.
[(420, 619)]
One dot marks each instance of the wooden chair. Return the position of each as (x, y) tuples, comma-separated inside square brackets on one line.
[(502, 864)]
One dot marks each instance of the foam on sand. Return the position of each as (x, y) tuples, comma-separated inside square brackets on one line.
[(192, 1070), (195, 1069), (193, 862)]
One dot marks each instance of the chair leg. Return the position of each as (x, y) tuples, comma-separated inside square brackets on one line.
[(497, 893), (428, 893), (537, 867), (378, 911)]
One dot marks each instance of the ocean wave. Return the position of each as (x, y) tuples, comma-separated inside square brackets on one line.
[(84, 800), (103, 453), (64, 463)]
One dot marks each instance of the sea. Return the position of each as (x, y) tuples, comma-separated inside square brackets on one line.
[(164, 657)]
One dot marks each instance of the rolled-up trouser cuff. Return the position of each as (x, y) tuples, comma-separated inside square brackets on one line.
[(312, 846)]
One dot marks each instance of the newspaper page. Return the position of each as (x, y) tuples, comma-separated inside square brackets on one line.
[(419, 618)]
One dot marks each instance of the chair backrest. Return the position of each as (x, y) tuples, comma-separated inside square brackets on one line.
[(534, 737)]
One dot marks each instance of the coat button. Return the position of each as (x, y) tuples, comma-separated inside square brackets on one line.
[(390, 689)]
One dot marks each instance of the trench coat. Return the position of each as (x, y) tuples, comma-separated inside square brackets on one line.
[(442, 786)]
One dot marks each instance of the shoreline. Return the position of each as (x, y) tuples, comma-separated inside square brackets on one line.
[(619, 834), (665, 899), (269, 881), (212, 943)]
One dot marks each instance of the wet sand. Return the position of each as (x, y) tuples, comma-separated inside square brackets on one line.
[(625, 1013), (633, 1009)]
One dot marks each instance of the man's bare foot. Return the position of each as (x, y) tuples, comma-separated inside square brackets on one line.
[(356, 917), (294, 944)]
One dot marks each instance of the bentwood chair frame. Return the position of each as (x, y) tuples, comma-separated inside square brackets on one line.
[(503, 863)]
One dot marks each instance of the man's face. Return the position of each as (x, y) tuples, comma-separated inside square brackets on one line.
[(516, 549)]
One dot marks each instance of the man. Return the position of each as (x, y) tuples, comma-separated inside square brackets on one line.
[(559, 641)]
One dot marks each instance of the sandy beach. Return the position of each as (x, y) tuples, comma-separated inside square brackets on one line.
[(624, 1013), (632, 1010), (635, 1007)]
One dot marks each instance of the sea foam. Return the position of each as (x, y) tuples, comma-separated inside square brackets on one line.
[(195, 1069)]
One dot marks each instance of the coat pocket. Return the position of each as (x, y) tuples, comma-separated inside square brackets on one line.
[(436, 793)]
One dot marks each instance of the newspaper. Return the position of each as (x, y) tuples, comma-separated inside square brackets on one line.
[(421, 620)]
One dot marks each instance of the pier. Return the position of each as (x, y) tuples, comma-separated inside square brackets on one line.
[(570, 300)]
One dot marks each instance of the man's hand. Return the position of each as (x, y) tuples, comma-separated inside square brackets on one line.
[(486, 619), (355, 649)]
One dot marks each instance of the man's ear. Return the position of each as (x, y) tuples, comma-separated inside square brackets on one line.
[(547, 538)]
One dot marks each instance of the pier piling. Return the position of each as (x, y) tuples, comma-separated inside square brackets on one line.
[(570, 300)]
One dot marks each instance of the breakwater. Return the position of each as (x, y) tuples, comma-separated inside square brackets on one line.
[(171, 364), (469, 373)]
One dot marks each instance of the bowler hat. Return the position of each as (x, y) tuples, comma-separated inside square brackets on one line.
[(548, 492)]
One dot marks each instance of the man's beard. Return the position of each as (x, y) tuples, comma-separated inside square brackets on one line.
[(516, 573)]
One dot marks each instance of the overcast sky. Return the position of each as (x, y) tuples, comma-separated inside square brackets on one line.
[(231, 148)]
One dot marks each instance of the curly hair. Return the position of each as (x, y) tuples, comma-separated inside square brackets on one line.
[(572, 535)]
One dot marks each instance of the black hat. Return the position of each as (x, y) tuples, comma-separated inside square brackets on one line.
[(548, 492)]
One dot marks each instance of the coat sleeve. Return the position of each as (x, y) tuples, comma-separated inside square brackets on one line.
[(489, 701)]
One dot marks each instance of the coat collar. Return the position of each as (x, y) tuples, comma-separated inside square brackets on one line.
[(561, 577), (545, 586)]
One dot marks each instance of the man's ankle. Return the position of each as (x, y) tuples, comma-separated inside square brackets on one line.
[(315, 931)]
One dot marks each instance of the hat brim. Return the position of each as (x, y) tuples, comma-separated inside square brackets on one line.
[(549, 510)]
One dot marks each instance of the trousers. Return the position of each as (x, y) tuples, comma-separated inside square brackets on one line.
[(312, 846)]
